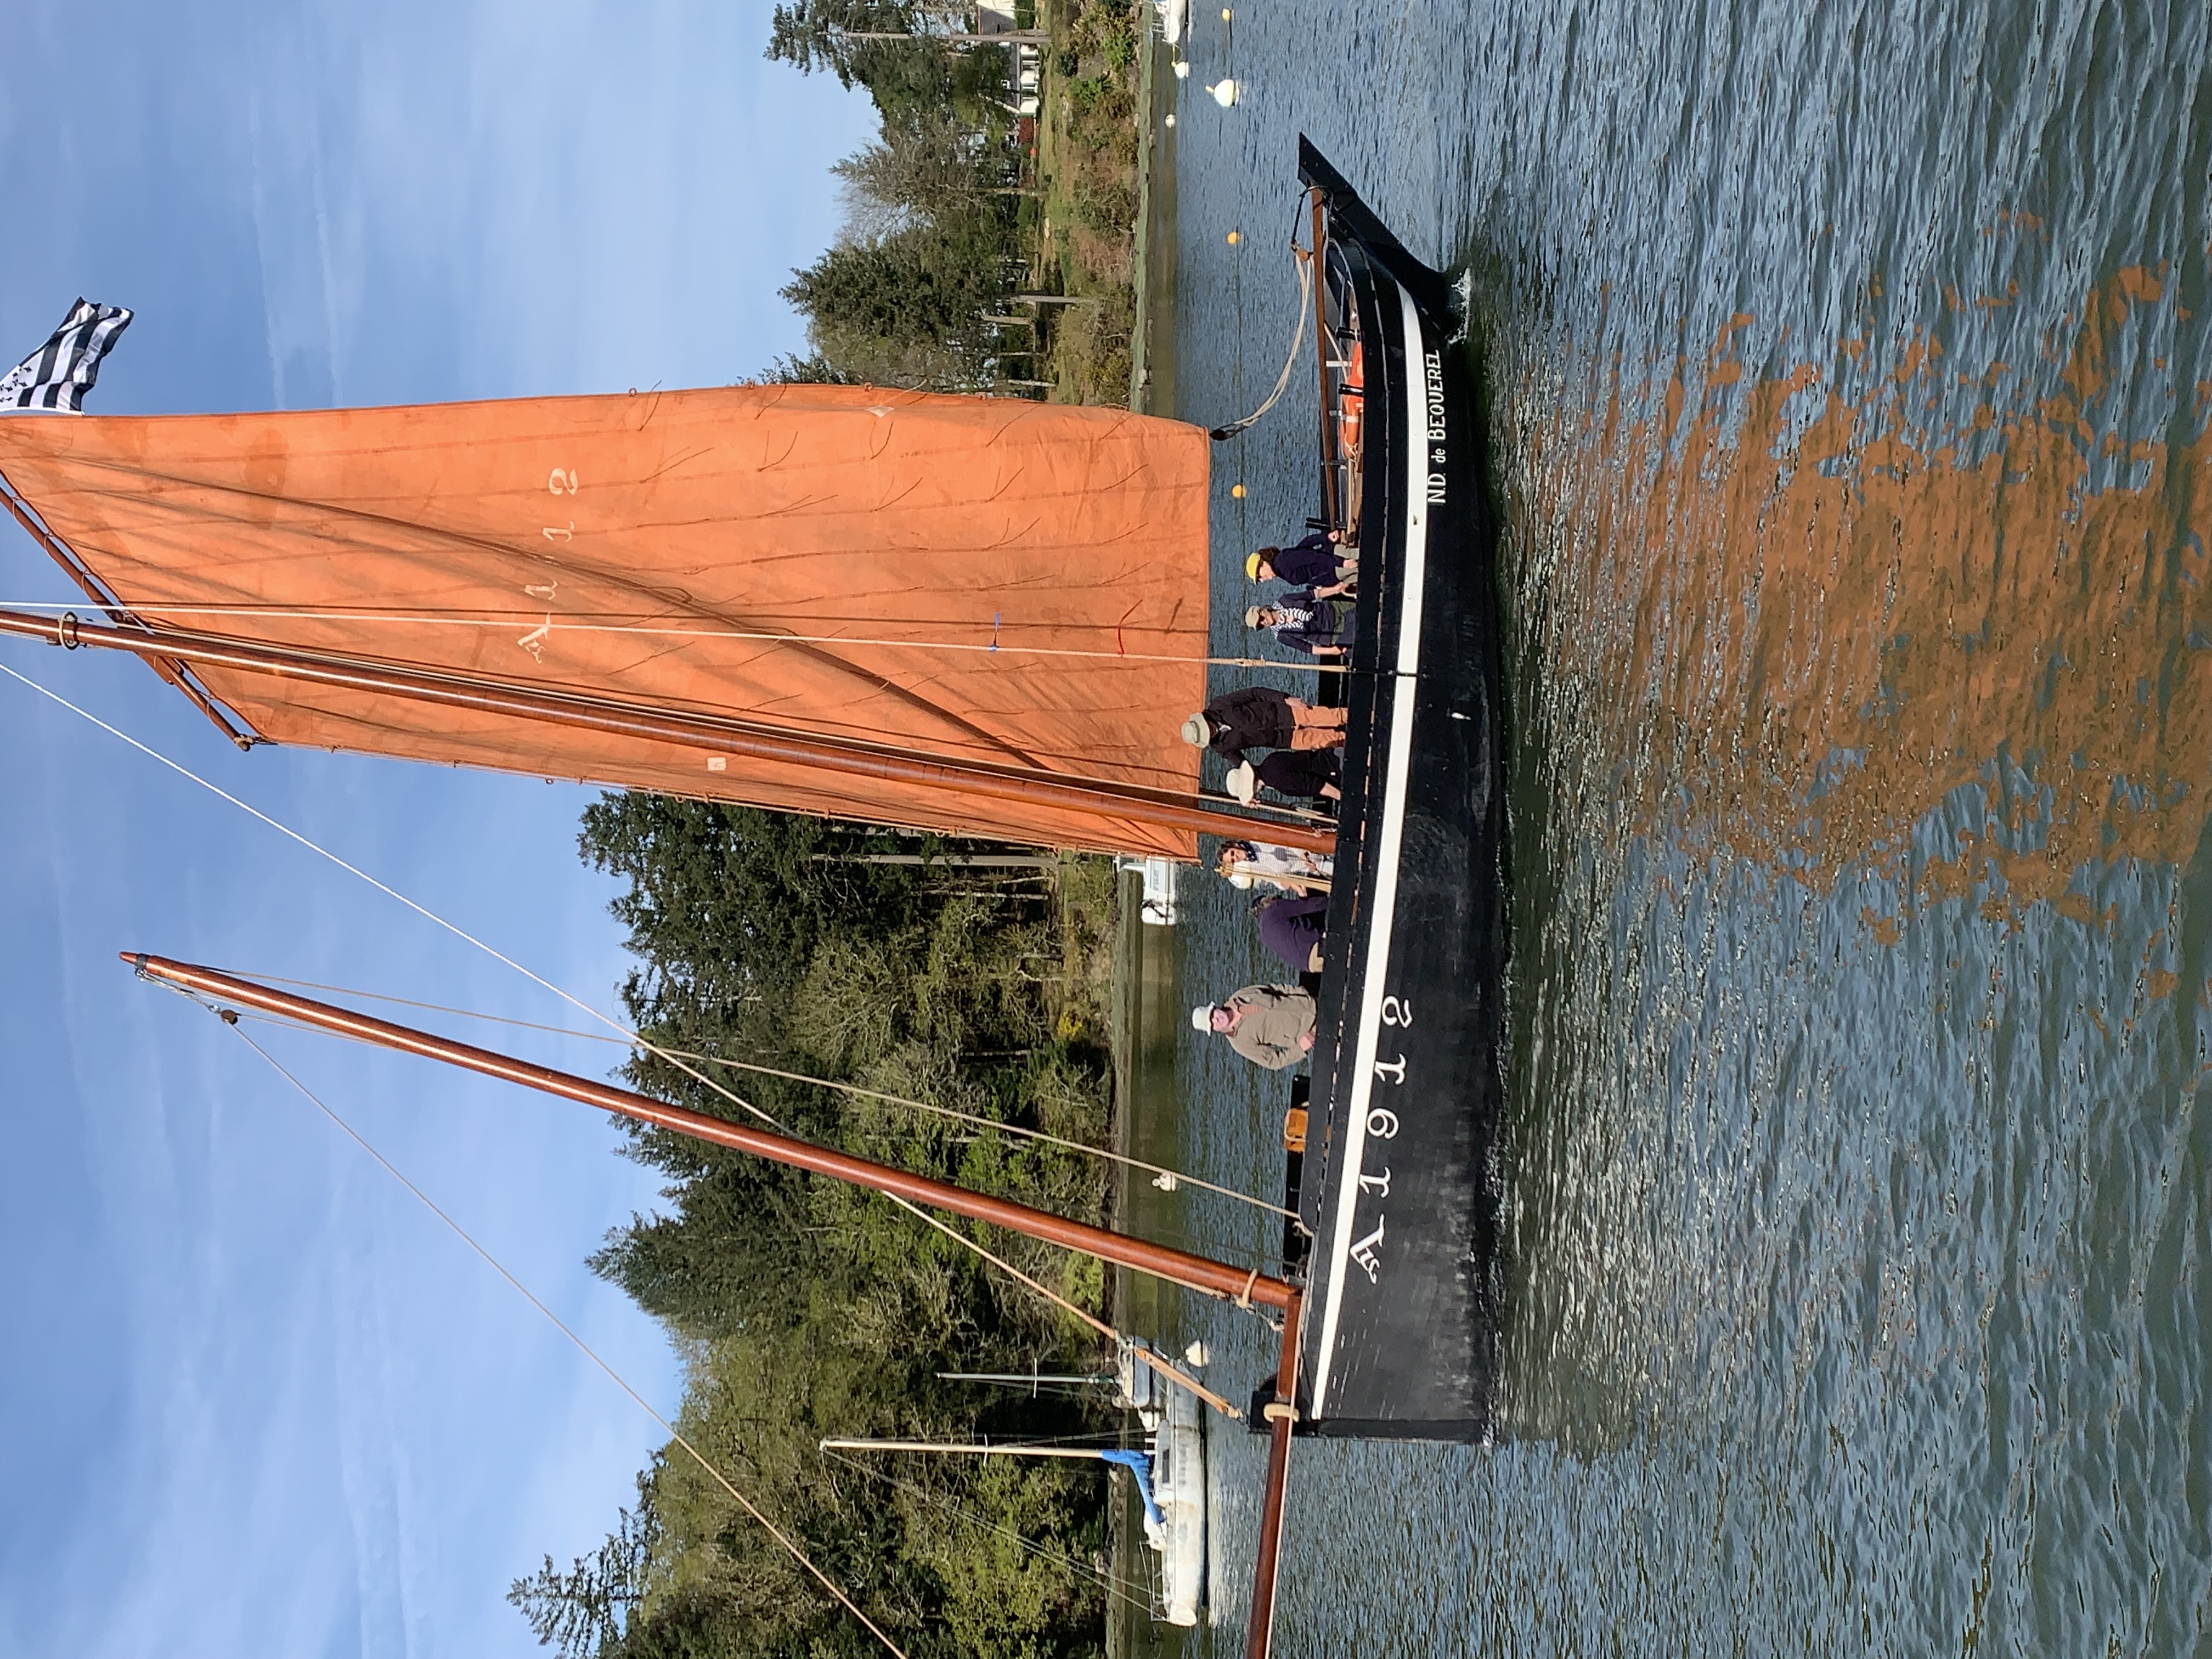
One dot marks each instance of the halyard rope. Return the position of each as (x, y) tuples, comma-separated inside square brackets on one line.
[(1220, 434)]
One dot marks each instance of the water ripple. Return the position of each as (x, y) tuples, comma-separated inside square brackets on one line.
[(1848, 374)]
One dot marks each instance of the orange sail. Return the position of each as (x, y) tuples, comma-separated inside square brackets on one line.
[(1001, 584)]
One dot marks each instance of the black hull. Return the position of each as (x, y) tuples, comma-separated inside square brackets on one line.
[(1398, 1182)]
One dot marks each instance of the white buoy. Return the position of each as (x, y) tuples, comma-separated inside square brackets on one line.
[(1225, 93), (1171, 120), (1196, 1354), (1183, 70)]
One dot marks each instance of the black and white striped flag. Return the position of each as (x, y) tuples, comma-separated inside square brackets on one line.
[(60, 372)]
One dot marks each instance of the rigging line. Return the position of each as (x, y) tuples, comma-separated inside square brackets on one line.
[(458, 933), (420, 909), (584, 1347), (1121, 1587), (424, 620), (1146, 1355), (957, 1115), (1222, 433)]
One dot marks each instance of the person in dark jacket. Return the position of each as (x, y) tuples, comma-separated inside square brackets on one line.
[(1294, 930), (1304, 621), (1303, 775), (1319, 561), (1260, 717)]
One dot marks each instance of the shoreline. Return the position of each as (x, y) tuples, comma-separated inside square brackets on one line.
[(1145, 1004), (1151, 362)]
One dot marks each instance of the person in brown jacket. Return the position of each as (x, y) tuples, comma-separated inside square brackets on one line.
[(1271, 1025)]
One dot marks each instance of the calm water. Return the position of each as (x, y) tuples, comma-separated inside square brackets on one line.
[(1848, 376)]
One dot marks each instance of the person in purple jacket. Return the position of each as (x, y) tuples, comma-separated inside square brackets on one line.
[(1294, 929), (1319, 561)]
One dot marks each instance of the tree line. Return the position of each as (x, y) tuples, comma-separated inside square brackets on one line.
[(933, 238), (805, 1309)]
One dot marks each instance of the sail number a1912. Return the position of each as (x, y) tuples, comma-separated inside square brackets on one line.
[(560, 480), (1382, 1124)]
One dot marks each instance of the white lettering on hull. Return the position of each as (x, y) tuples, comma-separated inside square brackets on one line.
[(1439, 432)]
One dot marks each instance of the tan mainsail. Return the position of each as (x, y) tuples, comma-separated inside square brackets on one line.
[(798, 557)]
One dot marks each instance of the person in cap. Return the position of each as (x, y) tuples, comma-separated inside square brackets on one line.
[(1260, 717), (1304, 621), (1317, 561), (1271, 1025)]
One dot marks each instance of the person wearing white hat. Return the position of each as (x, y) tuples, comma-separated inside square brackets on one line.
[(1271, 1025), (1260, 717), (1289, 869), (1307, 776)]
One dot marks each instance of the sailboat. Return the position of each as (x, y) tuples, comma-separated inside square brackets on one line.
[(1170, 1477), (980, 616), (1398, 1183)]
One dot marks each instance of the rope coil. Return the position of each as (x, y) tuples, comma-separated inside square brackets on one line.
[(1222, 434)]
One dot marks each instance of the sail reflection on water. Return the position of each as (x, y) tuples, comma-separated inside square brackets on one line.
[(1815, 610)]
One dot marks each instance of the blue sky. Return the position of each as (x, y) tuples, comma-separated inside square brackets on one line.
[(255, 1399)]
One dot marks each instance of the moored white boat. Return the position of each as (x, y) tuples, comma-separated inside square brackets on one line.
[(1179, 1477)]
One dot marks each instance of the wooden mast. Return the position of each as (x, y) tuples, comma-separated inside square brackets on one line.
[(1194, 1273), (1331, 508), (723, 735), (1245, 1286)]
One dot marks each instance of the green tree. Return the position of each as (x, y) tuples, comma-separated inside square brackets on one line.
[(935, 170), (902, 75), (581, 1612), (922, 285), (808, 1308), (812, 369)]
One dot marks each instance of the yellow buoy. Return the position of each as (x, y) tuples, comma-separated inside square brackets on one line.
[(1234, 239), (1224, 14), (1238, 491)]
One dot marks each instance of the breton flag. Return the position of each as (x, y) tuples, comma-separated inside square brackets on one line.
[(60, 372)]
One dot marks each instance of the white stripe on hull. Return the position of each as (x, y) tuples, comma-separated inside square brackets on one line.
[(1397, 776)]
